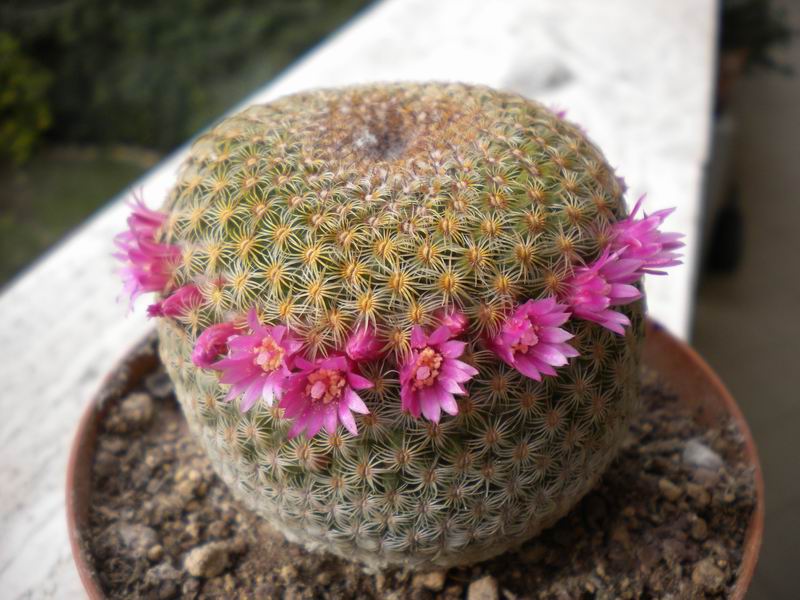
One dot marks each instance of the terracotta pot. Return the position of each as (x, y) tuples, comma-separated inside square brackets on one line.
[(682, 367), (125, 376)]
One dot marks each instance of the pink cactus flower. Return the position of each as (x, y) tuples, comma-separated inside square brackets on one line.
[(322, 395), (178, 303), (531, 340), (432, 374), (593, 289), (363, 345), (148, 264), (455, 320), (212, 343), (259, 363), (640, 239)]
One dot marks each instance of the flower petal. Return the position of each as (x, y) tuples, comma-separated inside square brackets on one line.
[(440, 335), (330, 418), (526, 366), (358, 382), (430, 404), (418, 338), (347, 419), (353, 401)]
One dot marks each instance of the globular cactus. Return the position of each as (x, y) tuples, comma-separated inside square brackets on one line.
[(338, 267)]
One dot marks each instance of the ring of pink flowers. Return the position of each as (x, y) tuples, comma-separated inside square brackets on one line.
[(531, 340)]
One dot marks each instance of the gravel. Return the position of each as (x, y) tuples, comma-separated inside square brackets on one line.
[(667, 520)]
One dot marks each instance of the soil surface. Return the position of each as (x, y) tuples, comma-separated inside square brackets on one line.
[(667, 521)]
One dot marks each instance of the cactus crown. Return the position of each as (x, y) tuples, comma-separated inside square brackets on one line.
[(382, 204)]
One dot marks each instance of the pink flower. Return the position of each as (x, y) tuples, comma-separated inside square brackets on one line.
[(363, 345), (432, 374), (640, 239), (178, 303), (148, 264), (531, 340), (211, 343), (322, 395), (259, 363), (455, 320), (593, 289)]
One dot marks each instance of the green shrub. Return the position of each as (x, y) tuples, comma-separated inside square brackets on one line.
[(756, 27), (24, 113), (152, 73)]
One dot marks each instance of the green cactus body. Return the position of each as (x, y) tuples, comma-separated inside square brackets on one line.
[(380, 205)]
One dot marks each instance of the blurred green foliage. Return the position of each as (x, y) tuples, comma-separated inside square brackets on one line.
[(153, 72), (755, 27), (24, 113), (111, 76), (53, 192)]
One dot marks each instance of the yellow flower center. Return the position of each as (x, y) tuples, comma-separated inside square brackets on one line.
[(268, 355), (427, 368), (325, 385), (528, 339)]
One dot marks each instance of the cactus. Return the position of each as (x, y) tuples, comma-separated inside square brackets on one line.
[(413, 216)]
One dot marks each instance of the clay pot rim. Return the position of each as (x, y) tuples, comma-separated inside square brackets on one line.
[(661, 347), (134, 363)]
